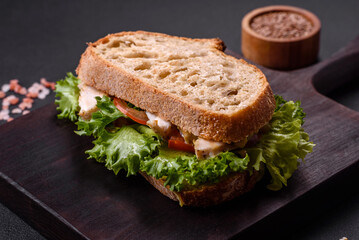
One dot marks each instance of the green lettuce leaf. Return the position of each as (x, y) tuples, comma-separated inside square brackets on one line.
[(68, 93), (283, 145), (106, 114), (125, 149), (180, 169)]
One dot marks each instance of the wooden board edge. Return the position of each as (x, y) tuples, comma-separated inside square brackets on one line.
[(34, 212)]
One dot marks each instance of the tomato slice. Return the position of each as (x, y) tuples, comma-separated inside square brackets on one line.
[(137, 116), (177, 142)]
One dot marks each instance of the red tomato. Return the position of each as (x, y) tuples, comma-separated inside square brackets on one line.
[(137, 116), (178, 143)]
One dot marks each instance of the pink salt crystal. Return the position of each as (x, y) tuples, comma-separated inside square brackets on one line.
[(32, 95), (23, 91), (28, 100), (5, 88), (16, 111)]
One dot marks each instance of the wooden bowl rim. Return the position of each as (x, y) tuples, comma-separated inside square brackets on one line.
[(281, 8)]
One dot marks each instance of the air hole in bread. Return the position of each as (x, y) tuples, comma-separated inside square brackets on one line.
[(226, 104), (105, 41), (139, 55), (175, 57), (198, 100), (228, 72), (180, 70), (192, 73), (230, 93), (227, 65), (143, 66), (183, 92), (200, 54), (210, 101), (164, 74), (193, 84), (174, 78), (222, 84), (210, 83), (129, 43), (114, 44), (203, 54)]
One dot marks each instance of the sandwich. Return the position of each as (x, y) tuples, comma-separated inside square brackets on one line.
[(201, 126)]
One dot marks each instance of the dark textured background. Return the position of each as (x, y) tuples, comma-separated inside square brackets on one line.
[(46, 38)]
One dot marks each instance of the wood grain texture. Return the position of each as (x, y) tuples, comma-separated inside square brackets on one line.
[(46, 178)]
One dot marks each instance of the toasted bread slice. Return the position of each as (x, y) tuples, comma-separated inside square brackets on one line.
[(189, 82), (228, 188)]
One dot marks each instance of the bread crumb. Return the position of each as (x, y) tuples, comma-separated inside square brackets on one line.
[(343, 238)]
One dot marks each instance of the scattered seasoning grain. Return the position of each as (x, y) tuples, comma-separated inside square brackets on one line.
[(16, 111), (282, 25), (47, 84), (4, 114), (25, 105), (13, 100), (5, 88), (28, 100), (36, 90), (31, 95), (23, 91)]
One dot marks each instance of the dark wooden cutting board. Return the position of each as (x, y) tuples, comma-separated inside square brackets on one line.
[(47, 180)]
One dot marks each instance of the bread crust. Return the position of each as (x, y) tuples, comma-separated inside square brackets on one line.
[(105, 76), (227, 189)]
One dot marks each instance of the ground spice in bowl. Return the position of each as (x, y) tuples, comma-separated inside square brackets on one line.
[(281, 25), (281, 37)]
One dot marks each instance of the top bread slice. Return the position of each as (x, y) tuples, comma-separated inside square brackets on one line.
[(188, 82)]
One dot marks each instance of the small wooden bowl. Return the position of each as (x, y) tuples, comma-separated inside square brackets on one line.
[(280, 53)]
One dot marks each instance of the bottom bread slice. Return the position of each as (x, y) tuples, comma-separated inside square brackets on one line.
[(230, 187)]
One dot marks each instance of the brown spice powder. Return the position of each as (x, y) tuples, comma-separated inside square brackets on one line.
[(282, 25)]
